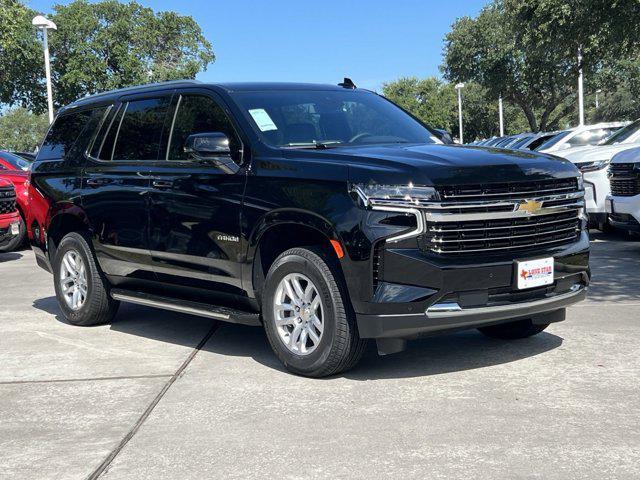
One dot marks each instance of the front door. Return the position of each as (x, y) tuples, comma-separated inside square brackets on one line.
[(115, 186), (194, 232)]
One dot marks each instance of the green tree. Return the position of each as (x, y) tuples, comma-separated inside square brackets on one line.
[(429, 99), (526, 51), (21, 130), (21, 60), (435, 103), (100, 46)]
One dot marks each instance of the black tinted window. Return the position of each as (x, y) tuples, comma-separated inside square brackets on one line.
[(139, 132), (63, 135), (197, 114)]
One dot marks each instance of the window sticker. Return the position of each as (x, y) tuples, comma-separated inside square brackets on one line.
[(262, 119)]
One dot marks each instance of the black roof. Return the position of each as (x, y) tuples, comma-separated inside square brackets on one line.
[(228, 87)]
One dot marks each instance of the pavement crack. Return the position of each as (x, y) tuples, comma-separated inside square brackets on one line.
[(91, 379), (114, 453)]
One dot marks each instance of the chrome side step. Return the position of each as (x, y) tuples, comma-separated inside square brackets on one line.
[(193, 308)]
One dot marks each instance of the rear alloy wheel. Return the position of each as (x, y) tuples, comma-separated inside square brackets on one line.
[(81, 289), (307, 315)]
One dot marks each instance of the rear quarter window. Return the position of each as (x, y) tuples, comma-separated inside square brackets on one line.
[(70, 134)]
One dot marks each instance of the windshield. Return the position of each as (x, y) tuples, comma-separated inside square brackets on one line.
[(553, 140), (15, 161), (623, 134), (325, 118)]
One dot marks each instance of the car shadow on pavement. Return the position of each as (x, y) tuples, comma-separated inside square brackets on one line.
[(424, 357), (7, 257)]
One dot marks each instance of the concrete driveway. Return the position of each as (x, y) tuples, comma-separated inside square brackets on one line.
[(163, 395)]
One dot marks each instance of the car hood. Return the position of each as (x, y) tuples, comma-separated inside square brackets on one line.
[(435, 164), (631, 155), (595, 153)]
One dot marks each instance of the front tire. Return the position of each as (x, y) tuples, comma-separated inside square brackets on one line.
[(307, 315), (513, 330), (81, 290)]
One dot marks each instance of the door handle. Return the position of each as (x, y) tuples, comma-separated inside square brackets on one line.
[(162, 183), (98, 182)]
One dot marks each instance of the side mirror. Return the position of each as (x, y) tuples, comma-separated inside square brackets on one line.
[(212, 147), (208, 144)]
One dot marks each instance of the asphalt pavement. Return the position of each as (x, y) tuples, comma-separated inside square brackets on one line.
[(162, 395)]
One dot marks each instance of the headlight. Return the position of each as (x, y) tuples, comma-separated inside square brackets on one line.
[(592, 166), (395, 195)]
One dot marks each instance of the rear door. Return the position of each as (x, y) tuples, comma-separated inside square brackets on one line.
[(195, 206), (115, 184)]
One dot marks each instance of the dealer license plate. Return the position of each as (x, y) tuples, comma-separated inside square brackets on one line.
[(15, 229), (534, 273)]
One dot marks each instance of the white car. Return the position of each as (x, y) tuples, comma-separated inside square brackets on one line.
[(586, 135), (623, 203), (593, 162)]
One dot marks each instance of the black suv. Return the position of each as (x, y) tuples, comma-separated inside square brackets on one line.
[(326, 214)]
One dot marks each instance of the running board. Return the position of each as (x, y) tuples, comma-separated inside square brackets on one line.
[(223, 314)]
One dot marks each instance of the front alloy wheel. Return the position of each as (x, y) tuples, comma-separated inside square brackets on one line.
[(298, 314)]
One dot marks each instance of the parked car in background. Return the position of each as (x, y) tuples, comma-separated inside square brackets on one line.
[(593, 162), (534, 141), (13, 161), (325, 214), (9, 217), (623, 203), (15, 170), (580, 137)]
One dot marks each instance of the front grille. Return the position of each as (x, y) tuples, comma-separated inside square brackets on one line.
[(504, 217), (625, 180), (508, 190), (7, 200)]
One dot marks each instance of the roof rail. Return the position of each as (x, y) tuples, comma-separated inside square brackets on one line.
[(133, 88)]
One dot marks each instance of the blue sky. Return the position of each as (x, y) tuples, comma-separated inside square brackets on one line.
[(371, 41)]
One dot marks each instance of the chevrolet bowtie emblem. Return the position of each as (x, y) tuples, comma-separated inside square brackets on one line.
[(530, 206)]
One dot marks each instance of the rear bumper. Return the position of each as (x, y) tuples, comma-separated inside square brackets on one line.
[(451, 316)]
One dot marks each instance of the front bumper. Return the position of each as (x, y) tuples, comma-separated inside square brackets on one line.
[(426, 295), (624, 212), (9, 225)]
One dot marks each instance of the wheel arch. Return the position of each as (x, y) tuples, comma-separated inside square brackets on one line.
[(280, 231)]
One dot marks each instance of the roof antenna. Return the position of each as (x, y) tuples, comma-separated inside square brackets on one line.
[(347, 83)]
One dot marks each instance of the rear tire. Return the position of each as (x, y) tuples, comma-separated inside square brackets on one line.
[(339, 347), (96, 306), (513, 330)]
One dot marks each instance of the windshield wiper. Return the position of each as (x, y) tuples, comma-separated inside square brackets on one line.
[(314, 145)]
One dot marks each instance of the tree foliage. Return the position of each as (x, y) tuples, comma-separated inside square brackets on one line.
[(21, 130), (526, 51), (98, 46), (435, 103)]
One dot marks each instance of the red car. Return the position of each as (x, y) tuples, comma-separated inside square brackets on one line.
[(9, 216), (15, 169)]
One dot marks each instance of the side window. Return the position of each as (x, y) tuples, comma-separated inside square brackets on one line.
[(63, 135), (138, 131), (197, 114), (103, 148)]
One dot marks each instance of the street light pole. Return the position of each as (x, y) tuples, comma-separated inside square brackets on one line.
[(45, 25), (597, 92), (500, 115), (459, 88), (580, 88)]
